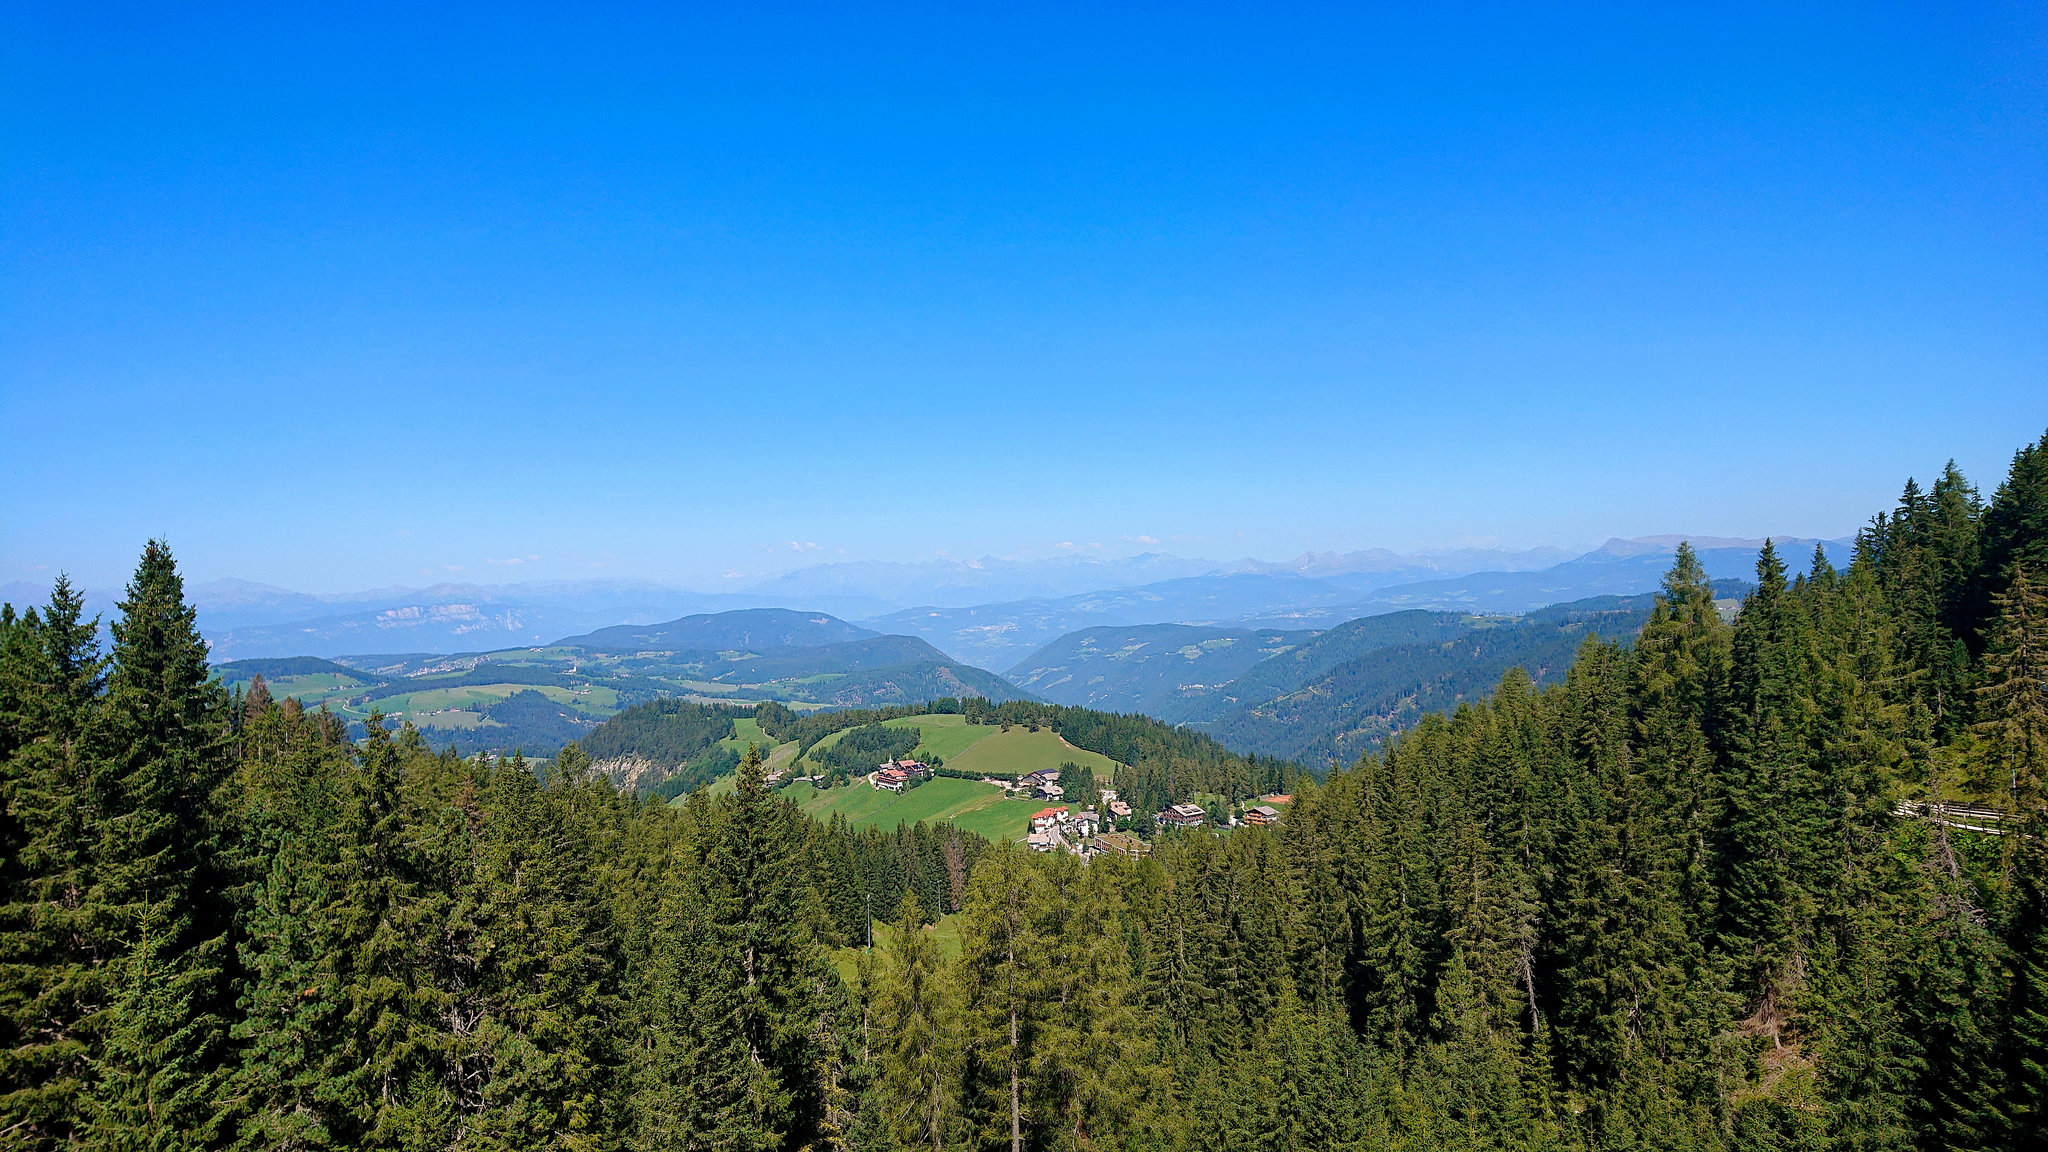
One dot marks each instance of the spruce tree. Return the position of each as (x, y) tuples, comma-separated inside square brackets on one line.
[(369, 979), (159, 782), (1094, 1070), (735, 1059), (2014, 696), (1679, 693), (2021, 1104), (1000, 967), (53, 947), (917, 1019), (1760, 893), (2014, 533)]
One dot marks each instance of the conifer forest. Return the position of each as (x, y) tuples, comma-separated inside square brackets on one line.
[(1773, 877)]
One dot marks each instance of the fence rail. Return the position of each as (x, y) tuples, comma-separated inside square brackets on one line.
[(1967, 817)]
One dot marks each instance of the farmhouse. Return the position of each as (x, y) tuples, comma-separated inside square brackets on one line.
[(1123, 844), (1046, 818), (1183, 816), (891, 779)]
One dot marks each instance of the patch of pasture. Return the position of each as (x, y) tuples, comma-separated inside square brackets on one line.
[(594, 701), (937, 799), (1000, 821), (1021, 750), (943, 736)]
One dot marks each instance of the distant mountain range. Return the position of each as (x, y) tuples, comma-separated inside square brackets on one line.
[(998, 635), (989, 613), (1275, 662), (707, 632)]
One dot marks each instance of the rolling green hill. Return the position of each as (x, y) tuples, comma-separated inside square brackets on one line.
[(969, 804), (749, 629), (984, 748), (494, 700)]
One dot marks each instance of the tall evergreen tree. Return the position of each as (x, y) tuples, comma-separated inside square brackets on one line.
[(2014, 695), (1762, 901), (917, 1017), (2014, 533), (735, 1060), (159, 784), (53, 949), (1000, 967), (1680, 675)]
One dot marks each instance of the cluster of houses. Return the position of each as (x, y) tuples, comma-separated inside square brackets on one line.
[(896, 775), (1044, 785), (1061, 827)]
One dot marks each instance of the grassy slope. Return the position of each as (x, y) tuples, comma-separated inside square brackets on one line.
[(747, 730), (313, 688), (970, 804), (974, 806), (1002, 820), (1019, 750), (943, 736), (987, 748), (595, 702)]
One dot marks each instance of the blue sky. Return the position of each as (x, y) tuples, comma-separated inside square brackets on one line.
[(345, 296)]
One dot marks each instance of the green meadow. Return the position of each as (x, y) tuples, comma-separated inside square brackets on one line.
[(943, 736), (311, 689), (747, 730), (1019, 750), (595, 701), (970, 804), (987, 748)]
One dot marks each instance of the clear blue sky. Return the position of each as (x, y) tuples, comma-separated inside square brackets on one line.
[(342, 297)]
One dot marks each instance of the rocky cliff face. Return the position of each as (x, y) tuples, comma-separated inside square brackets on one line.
[(631, 773)]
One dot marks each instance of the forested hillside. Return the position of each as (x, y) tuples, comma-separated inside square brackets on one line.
[(1325, 704), (1701, 891), (1319, 697), (1148, 668), (1323, 652)]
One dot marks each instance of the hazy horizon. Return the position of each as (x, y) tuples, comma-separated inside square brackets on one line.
[(511, 577)]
